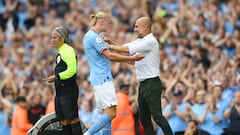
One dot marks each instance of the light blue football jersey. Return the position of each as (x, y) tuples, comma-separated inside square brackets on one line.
[(100, 66)]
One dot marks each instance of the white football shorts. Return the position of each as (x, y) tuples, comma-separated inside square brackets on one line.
[(105, 95)]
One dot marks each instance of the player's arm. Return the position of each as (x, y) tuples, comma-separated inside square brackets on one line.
[(121, 58), (124, 49), (110, 41), (113, 45), (101, 47), (129, 47)]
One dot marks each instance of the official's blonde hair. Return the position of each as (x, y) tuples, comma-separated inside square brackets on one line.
[(95, 17)]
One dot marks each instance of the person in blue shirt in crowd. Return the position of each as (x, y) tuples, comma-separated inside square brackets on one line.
[(221, 104), (211, 117), (101, 79), (199, 106), (86, 113), (4, 128), (176, 113), (228, 91)]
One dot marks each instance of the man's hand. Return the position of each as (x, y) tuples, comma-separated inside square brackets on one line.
[(50, 79), (138, 56), (107, 44), (107, 40)]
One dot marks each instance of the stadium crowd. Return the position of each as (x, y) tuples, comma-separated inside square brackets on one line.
[(199, 52)]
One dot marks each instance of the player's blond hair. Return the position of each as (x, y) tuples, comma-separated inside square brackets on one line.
[(95, 17)]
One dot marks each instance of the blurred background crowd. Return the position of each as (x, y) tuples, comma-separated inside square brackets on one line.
[(199, 52)]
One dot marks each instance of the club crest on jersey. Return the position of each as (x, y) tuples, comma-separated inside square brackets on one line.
[(99, 41), (58, 59)]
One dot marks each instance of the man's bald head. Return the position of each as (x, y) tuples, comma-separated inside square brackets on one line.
[(145, 21), (143, 26)]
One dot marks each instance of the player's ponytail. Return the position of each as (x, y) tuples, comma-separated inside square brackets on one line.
[(95, 17)]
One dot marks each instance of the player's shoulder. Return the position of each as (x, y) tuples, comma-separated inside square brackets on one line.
[(91, 34)]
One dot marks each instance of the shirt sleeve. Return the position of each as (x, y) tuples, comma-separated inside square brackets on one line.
[(99, 44), (69, 57), (139, 46)]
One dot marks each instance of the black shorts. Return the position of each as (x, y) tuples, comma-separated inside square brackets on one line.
[(66, 106)]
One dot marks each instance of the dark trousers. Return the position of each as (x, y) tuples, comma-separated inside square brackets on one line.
[(149, 100)]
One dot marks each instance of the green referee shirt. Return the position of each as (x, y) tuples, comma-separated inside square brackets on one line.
[(67, 62)]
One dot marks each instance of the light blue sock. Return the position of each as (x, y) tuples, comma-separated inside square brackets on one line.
[(100, 123), (107, 130)]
